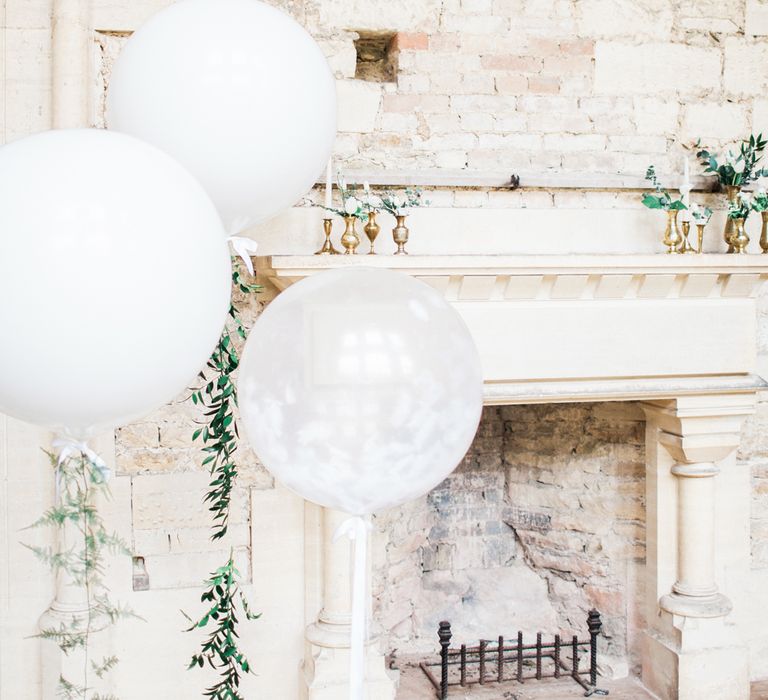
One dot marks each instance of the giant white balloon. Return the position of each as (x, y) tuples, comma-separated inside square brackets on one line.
[(239, 93), (360, 389), (114, 278)]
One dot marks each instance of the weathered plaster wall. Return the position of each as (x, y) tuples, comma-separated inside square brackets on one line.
[(548, 504)]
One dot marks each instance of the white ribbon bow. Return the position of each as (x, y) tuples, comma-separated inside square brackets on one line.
[(67, 447), (357, 529), (244, 248)]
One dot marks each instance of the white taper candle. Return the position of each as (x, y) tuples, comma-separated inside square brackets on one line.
[(329, 184)]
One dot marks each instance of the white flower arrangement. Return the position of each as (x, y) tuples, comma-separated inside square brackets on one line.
[(401, 204), (701, 215), (360, 203), (760, 201), (351, 204)]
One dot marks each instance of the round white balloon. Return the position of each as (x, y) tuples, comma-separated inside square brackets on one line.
[(360, 388), (115, 279), (239, 93)]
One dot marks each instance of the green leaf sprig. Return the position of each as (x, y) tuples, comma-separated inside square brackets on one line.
[(81, 483), (401, 204), (760, 201), (740, 207), (661, 199), (218, 397), (701, 215), (352, 203), (738, 169), (220, 649)]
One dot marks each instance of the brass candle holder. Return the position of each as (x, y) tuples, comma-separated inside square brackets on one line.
[(327, 247), (686, 246), (349, 239), (764, 233)]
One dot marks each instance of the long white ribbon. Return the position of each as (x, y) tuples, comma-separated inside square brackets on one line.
[(357, 529), (244, 247), (67, 447)]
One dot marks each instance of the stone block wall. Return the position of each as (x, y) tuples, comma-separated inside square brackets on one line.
[(594, 86), (548, 505)]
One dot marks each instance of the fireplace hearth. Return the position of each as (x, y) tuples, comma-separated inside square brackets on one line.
[(502, 661)]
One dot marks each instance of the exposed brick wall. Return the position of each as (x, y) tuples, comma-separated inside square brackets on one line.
[(587, 87)]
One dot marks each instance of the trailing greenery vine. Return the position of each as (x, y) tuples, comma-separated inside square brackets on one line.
[(80, 482), (219, 434), (220, 649)]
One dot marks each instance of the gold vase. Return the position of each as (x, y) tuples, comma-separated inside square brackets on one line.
[(400, 235), (731, 192), (673, 239), (739, 237), (700, 236), (349, 239), (372, 230), (764, 233)]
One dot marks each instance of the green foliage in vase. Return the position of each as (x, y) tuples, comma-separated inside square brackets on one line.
[(219, 434), (220, 650), (738, 169), (352, 203), (359, 203), (701, 215), (80, 482), (401, 204), (660, 199), (740, 207), (760, 201)]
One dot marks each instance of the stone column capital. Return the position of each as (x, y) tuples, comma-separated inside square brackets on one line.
[(700, 428)]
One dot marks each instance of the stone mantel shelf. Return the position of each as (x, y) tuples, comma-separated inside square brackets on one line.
[(278, 266), (588, 327)]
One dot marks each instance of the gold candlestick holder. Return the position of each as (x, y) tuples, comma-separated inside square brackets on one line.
[(686, 246), (327, 247), (764, 233)]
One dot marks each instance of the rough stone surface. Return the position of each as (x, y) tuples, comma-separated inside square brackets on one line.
[(543, 520), (547, 508)]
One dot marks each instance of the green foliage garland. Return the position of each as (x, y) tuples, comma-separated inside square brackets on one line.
[(219, 435), (220, 649), (80, 482)]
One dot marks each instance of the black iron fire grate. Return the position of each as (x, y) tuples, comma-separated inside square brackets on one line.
[(500, 660)]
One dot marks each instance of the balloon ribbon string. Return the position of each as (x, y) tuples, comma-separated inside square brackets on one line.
[(357, 529), (244, 247), (67, 447)]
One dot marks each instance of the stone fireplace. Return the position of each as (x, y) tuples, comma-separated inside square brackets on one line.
[(603, 474), (543, 520)]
